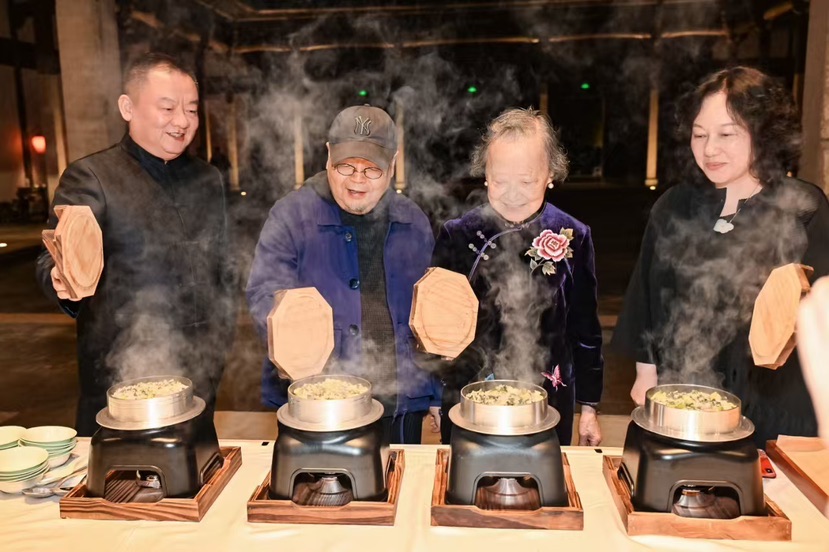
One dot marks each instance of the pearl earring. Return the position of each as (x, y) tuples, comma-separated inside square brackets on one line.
[(486, 183), (550, 185)]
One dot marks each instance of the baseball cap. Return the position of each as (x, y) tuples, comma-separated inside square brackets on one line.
[(363, 131)]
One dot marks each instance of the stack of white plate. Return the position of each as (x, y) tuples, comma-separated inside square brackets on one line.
[(58, 441), (22, 468), (9, 435)]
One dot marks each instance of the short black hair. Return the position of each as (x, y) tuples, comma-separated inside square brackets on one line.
[(146, 62), (759, 103)]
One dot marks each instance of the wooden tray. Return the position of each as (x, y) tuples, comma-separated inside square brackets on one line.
[(774, 526), (570, 517), (78, 505), (801, 479), (262, 509)]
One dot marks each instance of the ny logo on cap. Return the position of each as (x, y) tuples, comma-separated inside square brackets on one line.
[(363, 126)]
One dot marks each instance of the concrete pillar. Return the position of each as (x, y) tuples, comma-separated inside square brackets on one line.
[(400, 164), (544, 99), (91, 74), (299, 148), (653, 139), (233, 141), (814, 163)]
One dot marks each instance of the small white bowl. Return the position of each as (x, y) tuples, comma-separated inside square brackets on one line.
[(21, 458), (48, 434), (59, 460), (9, 436)]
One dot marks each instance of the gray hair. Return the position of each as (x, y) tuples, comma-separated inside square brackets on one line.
[(523, 122)]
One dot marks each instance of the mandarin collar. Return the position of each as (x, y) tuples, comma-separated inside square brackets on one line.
[(154, 165)]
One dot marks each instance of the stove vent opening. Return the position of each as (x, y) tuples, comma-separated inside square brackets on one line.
[(142, 486), (322, 489), (507, 493), (706, 502)]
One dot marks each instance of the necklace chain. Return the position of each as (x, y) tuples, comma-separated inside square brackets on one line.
[(740, 207)]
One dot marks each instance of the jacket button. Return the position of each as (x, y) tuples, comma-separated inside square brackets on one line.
[(353, 329), (348, 236), (354, 283)]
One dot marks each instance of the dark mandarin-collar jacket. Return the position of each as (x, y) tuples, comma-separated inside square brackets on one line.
[(529, 321), (164, 303)]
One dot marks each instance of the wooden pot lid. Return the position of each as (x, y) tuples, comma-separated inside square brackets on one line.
[(444, 312), (77, 247), (300, 332), (772, 334)]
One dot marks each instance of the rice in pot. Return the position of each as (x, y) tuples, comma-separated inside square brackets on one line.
[(330, 390), (149, 389), (693, 400), (505, 395)]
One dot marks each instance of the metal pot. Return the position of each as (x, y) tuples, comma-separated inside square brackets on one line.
[(501, 419), (330, 415), (150, 413), (693, 425)]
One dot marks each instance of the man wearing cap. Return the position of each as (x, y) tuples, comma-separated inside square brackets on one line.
[(363, 247)]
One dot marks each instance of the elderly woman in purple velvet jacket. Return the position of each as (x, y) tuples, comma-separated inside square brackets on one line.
[(531, 266)]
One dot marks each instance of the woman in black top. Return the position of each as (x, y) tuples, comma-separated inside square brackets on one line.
[(712, 241)]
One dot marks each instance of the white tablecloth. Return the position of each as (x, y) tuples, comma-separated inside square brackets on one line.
[(35, 524)]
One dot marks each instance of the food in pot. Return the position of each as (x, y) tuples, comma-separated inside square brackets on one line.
[(693, 400), (149, 389), (505, 395), (330, 390)]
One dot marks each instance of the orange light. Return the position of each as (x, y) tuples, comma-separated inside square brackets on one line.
[(39, 144)]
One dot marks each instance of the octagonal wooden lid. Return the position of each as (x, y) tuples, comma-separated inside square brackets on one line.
[(300, 332), (77, 246), (444, 312), (772, 334)]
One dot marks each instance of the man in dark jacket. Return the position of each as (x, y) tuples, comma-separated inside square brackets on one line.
[(164, 303), (363, 247)]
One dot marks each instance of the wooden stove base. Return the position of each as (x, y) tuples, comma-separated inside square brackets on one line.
[(262, 509), (570, 517), (774, 526), (79, 505)]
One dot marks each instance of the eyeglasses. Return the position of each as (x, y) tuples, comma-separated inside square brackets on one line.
[(372, 173)]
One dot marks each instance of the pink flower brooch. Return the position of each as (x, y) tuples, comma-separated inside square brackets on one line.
[(549, 248)]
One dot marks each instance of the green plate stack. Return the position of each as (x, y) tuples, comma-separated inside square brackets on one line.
[(9, 436), (22, 468)]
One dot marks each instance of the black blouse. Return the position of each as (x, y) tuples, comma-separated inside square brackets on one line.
[(690, 299)]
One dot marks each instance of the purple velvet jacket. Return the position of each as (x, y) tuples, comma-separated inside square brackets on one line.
[(529, 320)]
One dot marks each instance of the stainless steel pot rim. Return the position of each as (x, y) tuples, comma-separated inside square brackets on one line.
[(376, 412), (550, 420), (105, 419), (745, 429)]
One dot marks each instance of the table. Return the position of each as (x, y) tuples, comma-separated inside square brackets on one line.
[(35, 524)]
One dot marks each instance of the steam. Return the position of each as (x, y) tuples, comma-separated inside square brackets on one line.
[(517, 297), (442, 123)]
